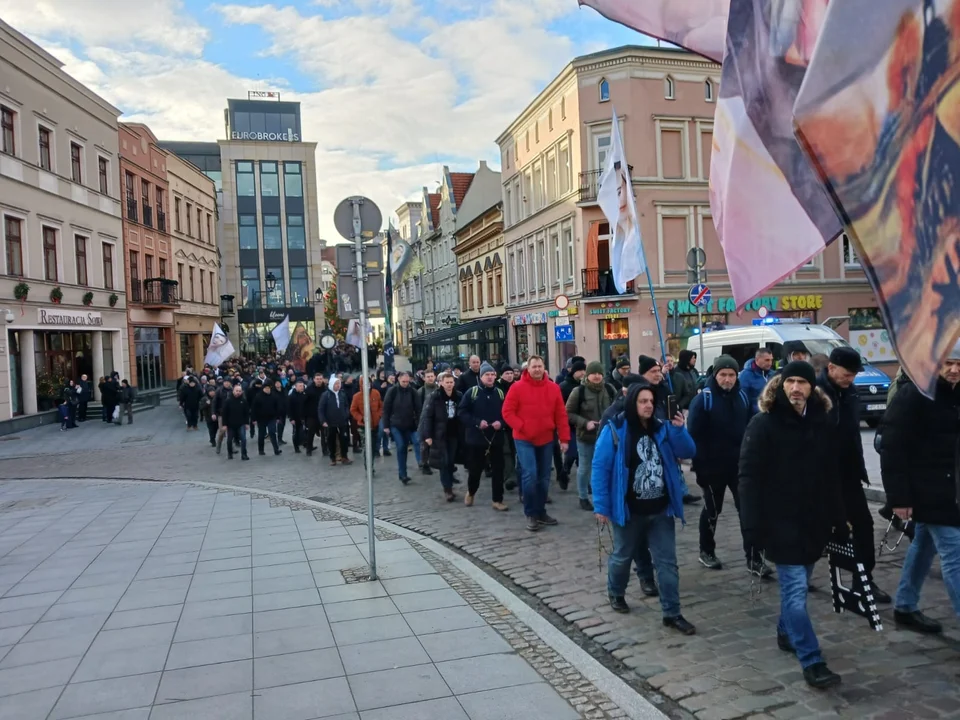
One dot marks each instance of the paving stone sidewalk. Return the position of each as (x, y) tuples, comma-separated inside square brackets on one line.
[(131, 601), (730, 669)]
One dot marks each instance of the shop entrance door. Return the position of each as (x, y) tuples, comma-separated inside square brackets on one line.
[(149, 346), (614, 341)]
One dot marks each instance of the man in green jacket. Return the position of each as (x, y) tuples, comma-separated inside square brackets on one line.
[(585, 407)]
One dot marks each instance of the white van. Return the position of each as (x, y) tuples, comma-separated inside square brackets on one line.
[(742, 343)]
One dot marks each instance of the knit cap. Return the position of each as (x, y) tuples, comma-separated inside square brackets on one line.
[(577, 366), (725, 362), (594, 367), (800, 369), (485, 368), (645, 363)]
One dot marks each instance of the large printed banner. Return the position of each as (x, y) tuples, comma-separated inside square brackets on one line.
[(880, 118)]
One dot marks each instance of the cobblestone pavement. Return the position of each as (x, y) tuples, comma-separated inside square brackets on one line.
[(730, 669), (162, 601)]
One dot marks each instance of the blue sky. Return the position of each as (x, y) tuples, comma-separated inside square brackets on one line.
[(390, 90)]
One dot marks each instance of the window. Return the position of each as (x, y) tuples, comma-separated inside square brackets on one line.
[(269, 180), (8, 142), (526, 140), (601, 148), (248, 232), (213, 298), (176, 214), (490, 294), (76, 163), (13, 231), (604, 90), (296, 239), (568, 244), (499, 286), (44, 148), (131, 198), (80, 243), (507, 206), (537, 187), (103, 170), (708, 90), (522, 272), (209, 231), (246, 187), (135, 274), (479, 280), (669, 88), (145, 201), (193, 293), (108, 266), (557, 259), (541, 264), (163, 268), (276, 298), (551, 177), (531, 269), (536, 132), (527, 194), (299, 289), (464, 296), (148, 266), (563, 108), (50, 254), (189, 220), (249, 285), (203, 288), (550, 119), (563, 168), (161, 217), (199, 225), (292, 181), (271, 233), (849, 253), (180, 275)]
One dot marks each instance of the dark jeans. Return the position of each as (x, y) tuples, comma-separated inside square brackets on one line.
[(573, 452), (71, 416), (212, 428), (534, 461), (714, 489), (336, 435), (794, 619), (193, 416), (237, 435), (82, 412), (860, 519), (281, 426), (312, 425), (447, 463), (297, 432), (477, 461), (265, 428), (658, 533)]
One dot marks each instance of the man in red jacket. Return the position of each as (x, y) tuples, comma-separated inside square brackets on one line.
[(535, 411)]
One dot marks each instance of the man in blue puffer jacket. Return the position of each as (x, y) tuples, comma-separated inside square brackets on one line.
[(637, 488), (755, 375)]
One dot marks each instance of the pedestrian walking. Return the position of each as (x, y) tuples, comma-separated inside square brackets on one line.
[(441, 428), (310, 412), (190, 396), (376, 412), (86, 393), (208, 415), (481, 415), (401, 415), (236, 418), (585, 407), (754, 376), (685, 378), (296, 408), (282, 410), (264, 413), (333, 413)]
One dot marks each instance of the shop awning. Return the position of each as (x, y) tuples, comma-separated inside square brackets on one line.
[(441, 337)]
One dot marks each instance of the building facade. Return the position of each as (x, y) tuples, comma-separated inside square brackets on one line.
[(61, 269), (407, 288), (442, 307), (270, 222), (152, 293), (193, 229), (557, 239)]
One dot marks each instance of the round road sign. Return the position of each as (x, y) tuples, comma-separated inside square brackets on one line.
[(762, 312), (562, 302), (699, 295)]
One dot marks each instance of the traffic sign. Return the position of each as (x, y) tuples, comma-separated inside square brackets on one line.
[(562, 302), (368, 218), (696, 258), (699, 295), (563, 333)]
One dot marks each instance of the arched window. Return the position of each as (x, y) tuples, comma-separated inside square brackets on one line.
[(604, 90), (708, 90), (669, 90)]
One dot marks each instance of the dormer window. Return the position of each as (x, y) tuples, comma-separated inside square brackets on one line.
[(669, 88), (708, 90), (604, 90)]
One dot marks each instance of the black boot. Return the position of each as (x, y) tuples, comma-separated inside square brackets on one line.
[(917, 621), (619, 604), (680, 624), (820, 676)]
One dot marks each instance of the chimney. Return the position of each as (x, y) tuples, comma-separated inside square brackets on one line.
[(483, 165)]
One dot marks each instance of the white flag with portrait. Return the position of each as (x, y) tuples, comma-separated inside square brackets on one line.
[(281, 334), (221, 349), (615, 198)]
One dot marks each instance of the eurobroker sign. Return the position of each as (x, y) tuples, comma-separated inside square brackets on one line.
[(288, 136)]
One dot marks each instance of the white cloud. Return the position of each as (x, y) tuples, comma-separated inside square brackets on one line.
[(390, 111)]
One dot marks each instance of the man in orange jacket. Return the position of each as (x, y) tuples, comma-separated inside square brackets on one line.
[(535, 411)]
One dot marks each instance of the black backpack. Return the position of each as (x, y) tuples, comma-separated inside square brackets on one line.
[(611, 393)]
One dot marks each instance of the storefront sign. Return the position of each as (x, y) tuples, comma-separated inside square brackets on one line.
[(248, 315), (610, 310), (785, 303), (572, 310), (73, 318), (288, 136), (537, 318)]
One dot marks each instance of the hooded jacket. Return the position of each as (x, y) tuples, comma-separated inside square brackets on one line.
[(919, 460), (752, 381), (333, 409), (479, 404), (717, 422), (535, 412), (685, 379), (438, 426), (789, 478), (376, 406), (190, 396), (401, 408), (610, 479), (587, 403), (297, 405)]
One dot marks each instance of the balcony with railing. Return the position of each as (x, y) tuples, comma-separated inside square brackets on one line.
[(132, 210), (590, 184), (161, 221), (147, 215), (599, 284), (160, 293)]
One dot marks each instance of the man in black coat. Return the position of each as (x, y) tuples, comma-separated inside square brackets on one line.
[(313, 394), (236, 418), (224, 393), (619, 373), (296, 411), (481, 414), (471, 377), (790, 500), (333, 412), (190, 396), (836, 380), (919, 461), (401, 415), (86, 392), (717, 421), (264, 412)]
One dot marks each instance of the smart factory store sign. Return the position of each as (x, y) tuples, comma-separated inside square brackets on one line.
[(786, 303)]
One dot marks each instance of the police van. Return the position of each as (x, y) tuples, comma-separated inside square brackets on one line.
[(742, 342)]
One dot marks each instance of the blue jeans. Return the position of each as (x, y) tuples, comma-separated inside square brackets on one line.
[(658, 533), (929, 540), (585, 468), (644, 564), (794, 619), (401, 439), (383, 439), (534, 461)]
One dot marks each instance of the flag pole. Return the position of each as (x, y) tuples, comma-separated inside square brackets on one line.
[(656, 314)]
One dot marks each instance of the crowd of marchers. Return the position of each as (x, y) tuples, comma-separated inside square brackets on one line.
[(785, 441)]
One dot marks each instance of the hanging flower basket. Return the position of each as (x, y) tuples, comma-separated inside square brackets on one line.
[(56, 295), (88, 298), (20, 291), (113, 299)]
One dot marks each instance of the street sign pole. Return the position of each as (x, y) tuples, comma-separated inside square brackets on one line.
[(356, 202), (700, 323)]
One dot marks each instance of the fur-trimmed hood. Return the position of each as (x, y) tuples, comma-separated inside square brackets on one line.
[(769, 396)]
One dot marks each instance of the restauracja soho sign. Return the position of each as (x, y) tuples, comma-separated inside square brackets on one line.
[(69, 317), (786, 303)]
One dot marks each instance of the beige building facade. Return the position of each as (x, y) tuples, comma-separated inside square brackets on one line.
[(61, 268), (557, 239), (194, 237), (478, 248)]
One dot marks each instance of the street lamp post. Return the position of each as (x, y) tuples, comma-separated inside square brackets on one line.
[(271, 283)]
